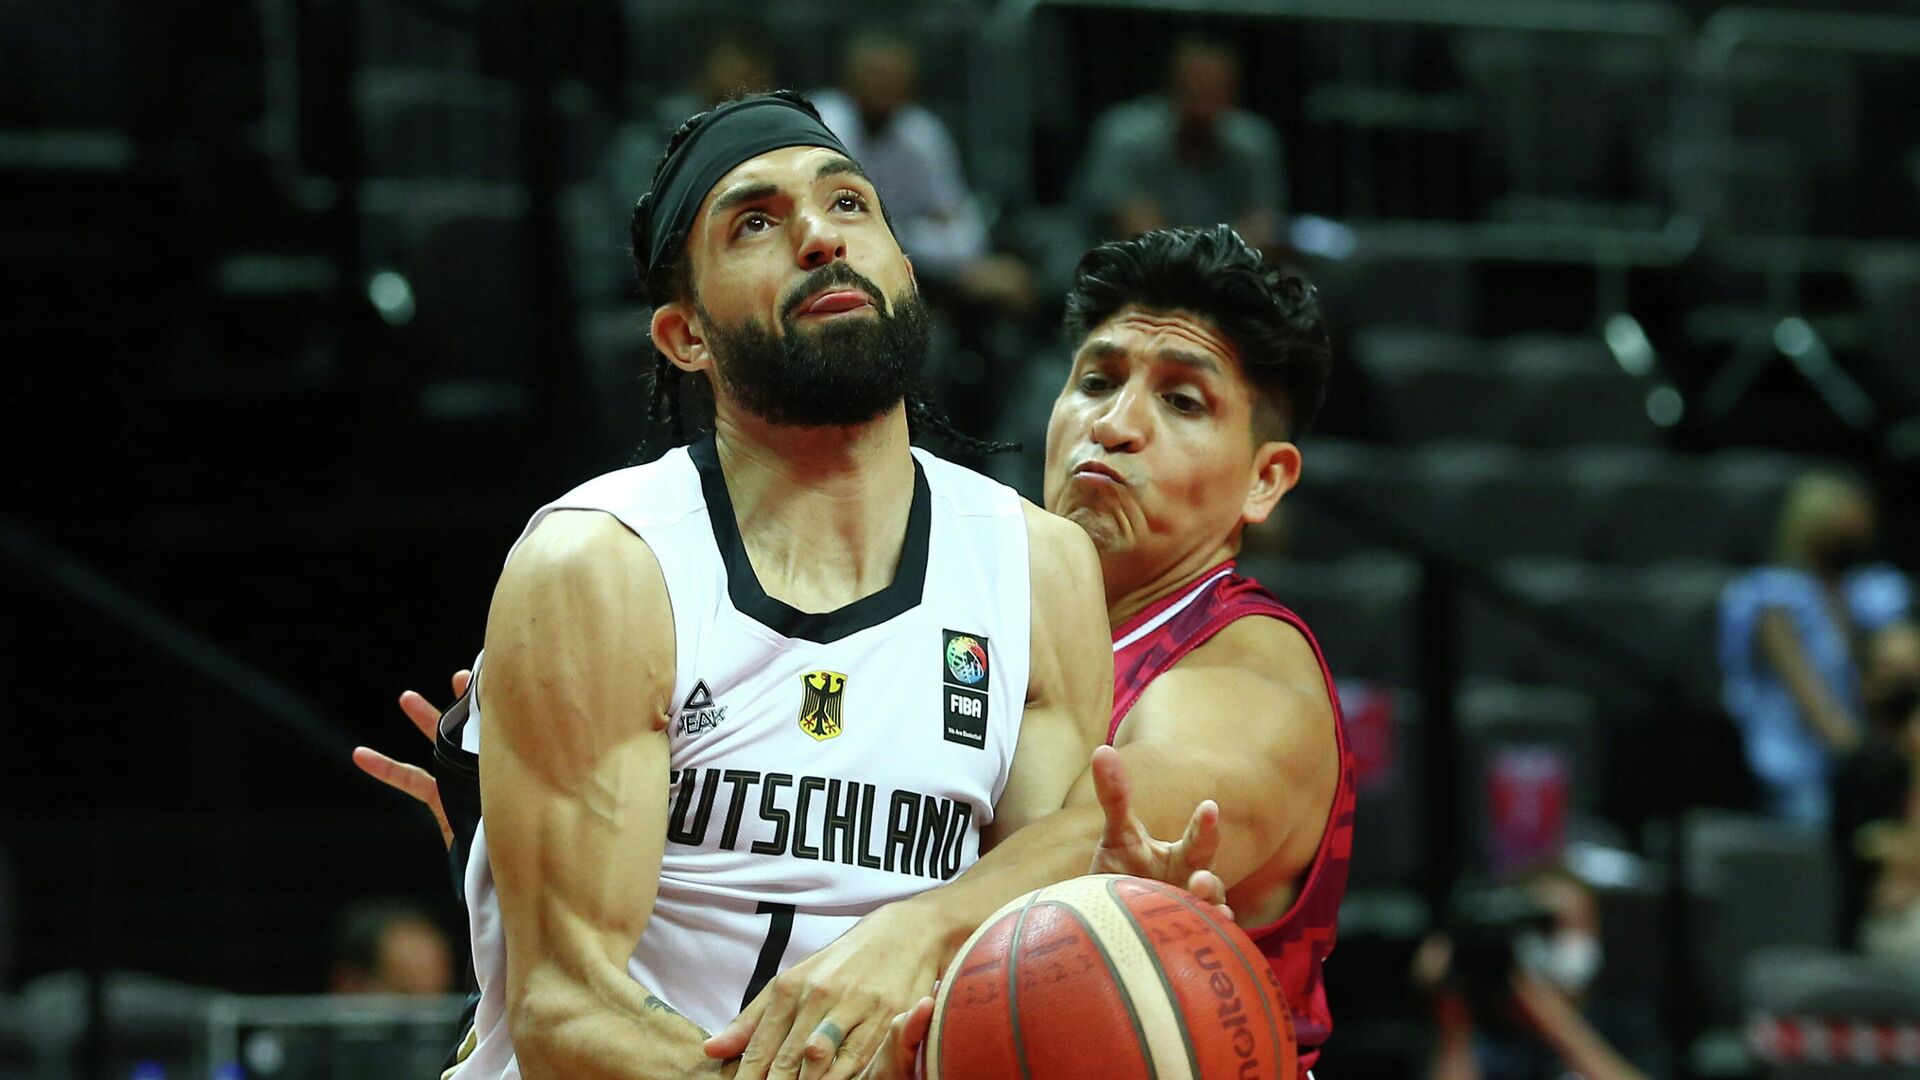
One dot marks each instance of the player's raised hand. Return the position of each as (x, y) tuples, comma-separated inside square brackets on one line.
[(1127, 848), (412, 779), (899, 1056), (826, 1017)]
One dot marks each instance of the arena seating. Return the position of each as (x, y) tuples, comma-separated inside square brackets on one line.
[(1821, 1014)]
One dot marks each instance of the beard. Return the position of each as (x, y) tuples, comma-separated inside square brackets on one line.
[(846, 372)]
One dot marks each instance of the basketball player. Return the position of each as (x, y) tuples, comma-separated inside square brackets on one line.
[(733, 700), (1197, 367)]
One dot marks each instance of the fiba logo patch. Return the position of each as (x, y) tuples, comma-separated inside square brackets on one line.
[(964, 688), (820, 708), (966, 659)]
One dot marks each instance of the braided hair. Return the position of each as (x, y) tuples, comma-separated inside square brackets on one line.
[(671, 279)]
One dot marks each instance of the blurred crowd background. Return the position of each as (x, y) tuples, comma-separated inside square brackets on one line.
[(1608, 528)]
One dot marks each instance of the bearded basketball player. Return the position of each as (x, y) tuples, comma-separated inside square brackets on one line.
[(1198, 366), (733, 700)]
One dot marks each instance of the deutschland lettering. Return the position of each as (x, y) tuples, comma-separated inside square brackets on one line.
[(824, 818)]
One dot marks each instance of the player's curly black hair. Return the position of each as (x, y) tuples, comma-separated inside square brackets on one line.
[(671, 280), (1272, 318)]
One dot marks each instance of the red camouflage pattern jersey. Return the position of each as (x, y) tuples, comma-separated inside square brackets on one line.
[(1297, 944)]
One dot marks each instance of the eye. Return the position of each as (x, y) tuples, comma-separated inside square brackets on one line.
[(1093, 383), (849, 201), (1187, 404), (752, 221)]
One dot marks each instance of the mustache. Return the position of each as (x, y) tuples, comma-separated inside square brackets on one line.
[(832, 275)]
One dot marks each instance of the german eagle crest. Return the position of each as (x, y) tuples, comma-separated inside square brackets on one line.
[(820, 709)]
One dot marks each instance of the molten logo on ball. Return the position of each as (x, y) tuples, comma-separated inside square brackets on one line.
[(1110, 978)]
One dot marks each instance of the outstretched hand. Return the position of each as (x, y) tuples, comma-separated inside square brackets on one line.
[(1127, 848), (412, 779)]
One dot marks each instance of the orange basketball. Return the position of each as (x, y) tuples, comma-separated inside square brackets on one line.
[(1110, 978)]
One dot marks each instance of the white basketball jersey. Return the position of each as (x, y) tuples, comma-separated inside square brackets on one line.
[(823, 765)]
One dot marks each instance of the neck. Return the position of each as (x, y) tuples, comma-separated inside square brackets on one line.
[(1132, 590), (822, 511)]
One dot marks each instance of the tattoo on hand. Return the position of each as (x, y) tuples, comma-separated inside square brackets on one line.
[(654, 1002)]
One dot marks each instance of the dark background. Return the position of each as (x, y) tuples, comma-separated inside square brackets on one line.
[(246, 506)]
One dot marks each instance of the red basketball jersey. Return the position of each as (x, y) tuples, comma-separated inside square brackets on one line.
[(1154, 641)]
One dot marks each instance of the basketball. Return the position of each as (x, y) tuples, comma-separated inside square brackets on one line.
[(1108, 977)]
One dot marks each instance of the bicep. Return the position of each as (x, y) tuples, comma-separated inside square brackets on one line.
[(574, 755), (575, 867)]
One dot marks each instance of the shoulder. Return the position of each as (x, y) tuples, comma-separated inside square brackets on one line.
[(1068, 599), (580, 560), (1248, 129), (1260, 678), (922, 123), (836, 111), (1139, 120), (1058, 546), (1264, 651), (1768, 587), (656, 493)]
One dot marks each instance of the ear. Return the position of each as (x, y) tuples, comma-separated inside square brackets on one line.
[(678, 335), (1276, 468)]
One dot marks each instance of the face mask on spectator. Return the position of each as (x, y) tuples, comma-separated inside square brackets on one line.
[(1569, 959)]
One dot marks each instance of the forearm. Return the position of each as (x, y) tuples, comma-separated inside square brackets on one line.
[(606, 1027), (1822, 709), (1055, 848)]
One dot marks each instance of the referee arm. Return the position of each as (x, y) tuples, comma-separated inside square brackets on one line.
[(573, 767)]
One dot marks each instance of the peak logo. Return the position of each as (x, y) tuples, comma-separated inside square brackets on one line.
[(699, 715)]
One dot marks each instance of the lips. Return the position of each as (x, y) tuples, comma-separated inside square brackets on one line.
[(835, 301), (1095, 468)]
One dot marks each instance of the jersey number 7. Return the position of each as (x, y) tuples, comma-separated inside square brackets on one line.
[(779, 931)]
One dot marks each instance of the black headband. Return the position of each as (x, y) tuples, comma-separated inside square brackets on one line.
[(735, 132)]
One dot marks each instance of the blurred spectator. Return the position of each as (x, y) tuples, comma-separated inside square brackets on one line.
[(1189, 156), (1788, 637), (733, 66), (389, 947), (915, 164), (602, 265), (1509, 982), (1876, 801)]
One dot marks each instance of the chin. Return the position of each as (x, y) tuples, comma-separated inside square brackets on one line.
[(1107, 535)]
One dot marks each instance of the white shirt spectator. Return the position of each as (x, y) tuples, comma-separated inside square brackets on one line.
[(915, 164)]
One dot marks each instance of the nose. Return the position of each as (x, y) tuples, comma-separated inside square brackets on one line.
[(1122, 424), (820, 241)]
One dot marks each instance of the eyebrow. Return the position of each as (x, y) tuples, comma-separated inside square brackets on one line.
[(752, 193), (1103, 350), (841, 166), (737, 196)]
